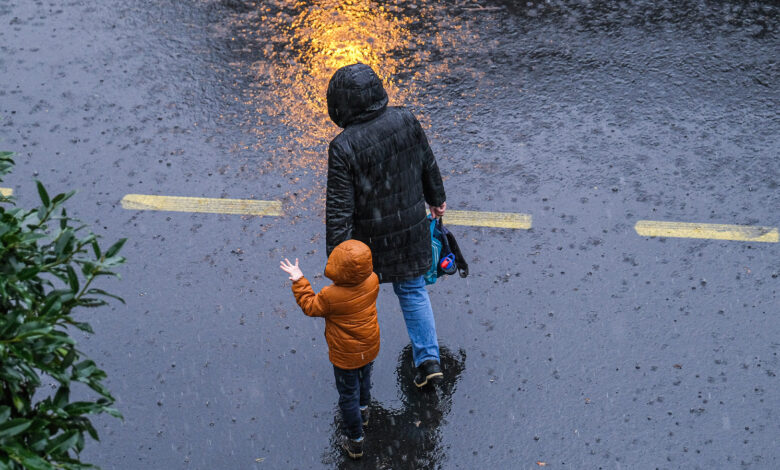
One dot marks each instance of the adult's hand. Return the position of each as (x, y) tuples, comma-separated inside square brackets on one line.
[(438, 211)]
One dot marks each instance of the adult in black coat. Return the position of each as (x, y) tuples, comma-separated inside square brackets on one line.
[(381, 173)]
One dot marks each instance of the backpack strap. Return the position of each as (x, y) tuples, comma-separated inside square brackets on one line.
[(445, 242)]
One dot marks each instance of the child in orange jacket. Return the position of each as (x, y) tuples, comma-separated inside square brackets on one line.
[(351, 329)]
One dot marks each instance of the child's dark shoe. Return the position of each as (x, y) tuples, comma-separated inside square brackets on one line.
[(365, 413), (428, 372), (353, 447)]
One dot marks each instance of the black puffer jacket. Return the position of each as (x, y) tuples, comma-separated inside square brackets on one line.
[(381, 172)]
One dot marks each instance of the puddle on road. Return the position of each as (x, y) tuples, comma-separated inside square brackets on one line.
[(408, 436), (289, 51)]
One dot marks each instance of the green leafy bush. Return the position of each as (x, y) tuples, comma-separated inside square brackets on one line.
[(48, 263)]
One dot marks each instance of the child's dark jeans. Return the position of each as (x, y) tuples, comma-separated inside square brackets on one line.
[(354, 386)]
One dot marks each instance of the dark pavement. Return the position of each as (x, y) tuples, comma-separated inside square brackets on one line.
[(577, 343)]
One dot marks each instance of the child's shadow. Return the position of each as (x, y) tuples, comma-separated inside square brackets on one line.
[(407, 437)]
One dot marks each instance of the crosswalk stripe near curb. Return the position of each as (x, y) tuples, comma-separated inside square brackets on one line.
[(488, 219), (144, 202), (744, 233)]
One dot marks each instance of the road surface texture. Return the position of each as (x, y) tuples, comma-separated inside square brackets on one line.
[(576, 344)]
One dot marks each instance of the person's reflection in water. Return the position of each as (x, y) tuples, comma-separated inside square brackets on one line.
[(406, 438)]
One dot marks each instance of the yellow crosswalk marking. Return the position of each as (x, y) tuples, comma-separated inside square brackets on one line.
[(488, 219), (144, 202), (745, 233)]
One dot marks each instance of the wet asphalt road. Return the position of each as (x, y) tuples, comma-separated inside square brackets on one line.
[(577, 343)]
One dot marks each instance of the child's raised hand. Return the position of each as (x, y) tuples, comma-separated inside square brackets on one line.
[(292, 269)]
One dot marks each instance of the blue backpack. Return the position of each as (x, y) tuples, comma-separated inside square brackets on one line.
[(446, 257)]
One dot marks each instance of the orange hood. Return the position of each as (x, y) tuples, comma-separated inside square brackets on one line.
[(349, 263)]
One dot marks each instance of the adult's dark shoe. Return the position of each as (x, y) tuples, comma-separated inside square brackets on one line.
[(428, 372), (365, 413), (353, 448)]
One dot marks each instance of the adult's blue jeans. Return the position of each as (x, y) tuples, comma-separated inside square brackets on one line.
[(418, 315), (354, 386)]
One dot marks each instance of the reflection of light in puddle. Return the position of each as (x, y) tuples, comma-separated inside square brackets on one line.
[(301, 46), (322, 39)]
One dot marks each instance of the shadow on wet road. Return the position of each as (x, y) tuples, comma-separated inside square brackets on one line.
[(409, 436)]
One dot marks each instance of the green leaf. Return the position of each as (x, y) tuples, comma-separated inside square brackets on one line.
[(84, 326), (63, 241), (62, 197), (108, 273), (84, 369), (78, 466), (28, 273), (27, 459), (6, 163), (91, 431), (87, 268), (63, 219), (43, 194), (96, 249), (114, 412), (5, 412), (63, 295), (63, 442), (68, 360), (29, 374), (62, 397), (4, 228), (89, 302), (73, 280), (53, 304), (14, 427), (95, 291), (112, 261), (80, 443), (30, 237), (19, 404), (96, 386), (33, 329), (11, 375), (78, 408), (115, 248), (38, 442)]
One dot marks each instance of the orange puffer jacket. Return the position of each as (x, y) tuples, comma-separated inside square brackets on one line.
[(349, 305)]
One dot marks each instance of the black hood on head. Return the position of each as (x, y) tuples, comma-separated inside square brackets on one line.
[(355, 94)]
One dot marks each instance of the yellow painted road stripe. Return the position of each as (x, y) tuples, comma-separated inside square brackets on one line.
[(7, 192), (143, 202), (745, 233), (488, 219)]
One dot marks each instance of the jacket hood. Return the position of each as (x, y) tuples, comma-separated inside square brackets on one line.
[(355, 94), (349, 264)]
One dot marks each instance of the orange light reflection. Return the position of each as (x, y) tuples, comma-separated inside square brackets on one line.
[(301, 44)]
